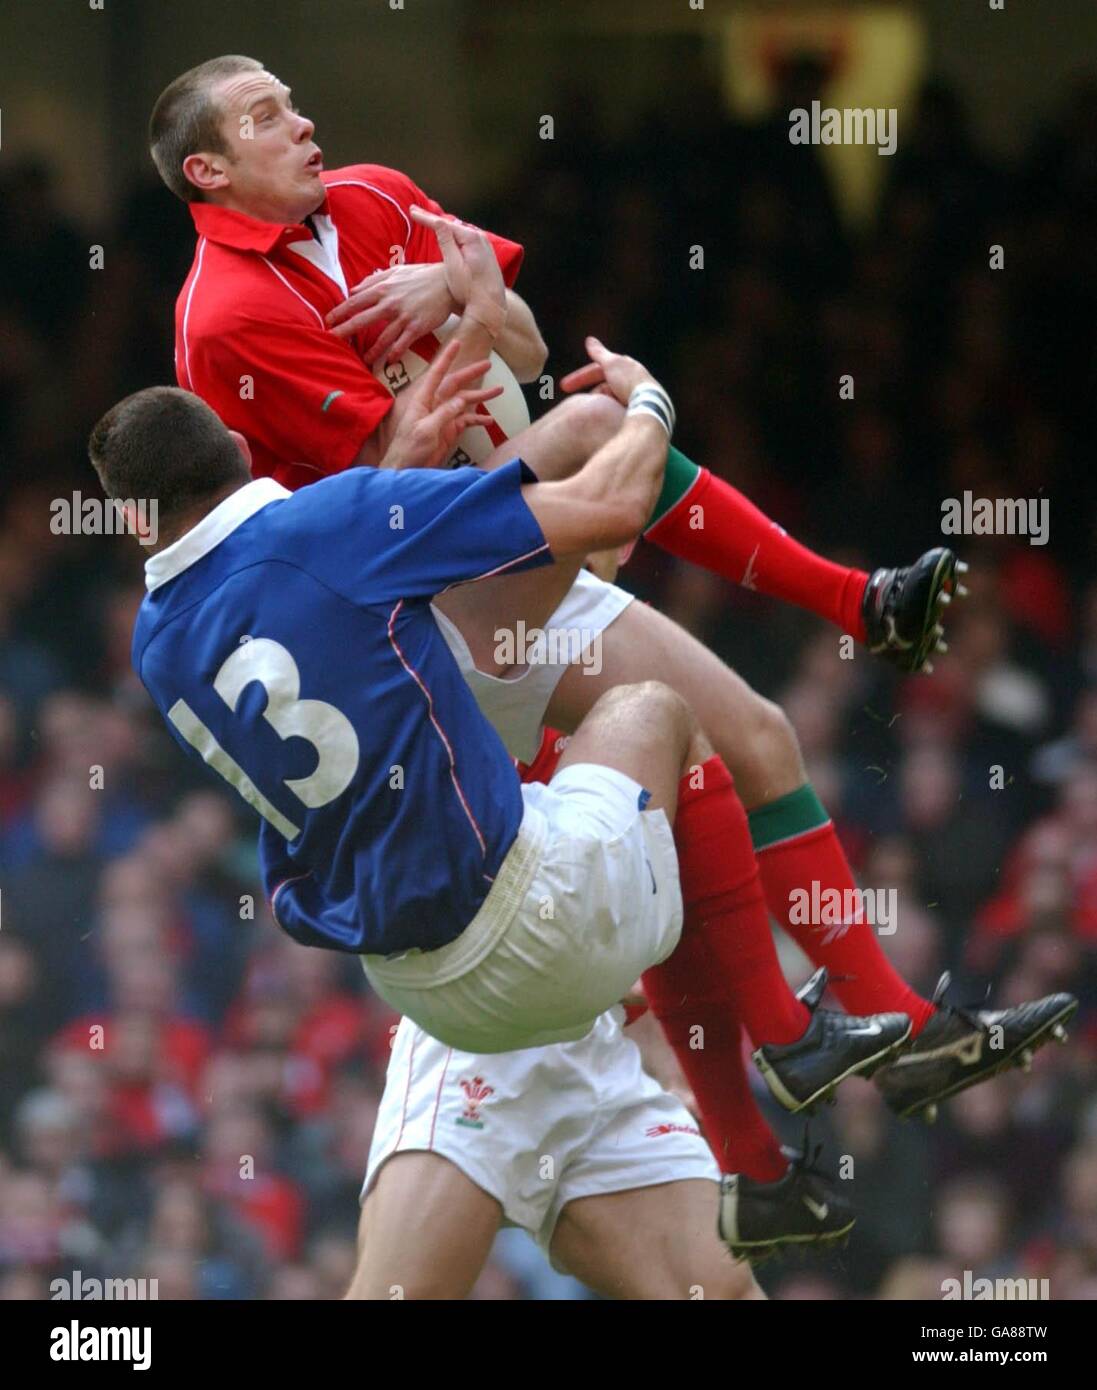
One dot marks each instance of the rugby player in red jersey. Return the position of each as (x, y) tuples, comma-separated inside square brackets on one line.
[(281, 243)]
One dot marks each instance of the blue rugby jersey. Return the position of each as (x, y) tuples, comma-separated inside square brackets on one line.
[(288, 641)]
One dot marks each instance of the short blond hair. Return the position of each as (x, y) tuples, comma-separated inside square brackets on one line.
[(186, 120)]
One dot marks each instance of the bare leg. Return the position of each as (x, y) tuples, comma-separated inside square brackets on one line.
[(751, 734), (495, 606), (760, 748), (646, 731), (426, 1231), (651, 1243)]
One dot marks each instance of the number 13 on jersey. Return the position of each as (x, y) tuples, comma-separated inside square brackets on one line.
[(327, 729)]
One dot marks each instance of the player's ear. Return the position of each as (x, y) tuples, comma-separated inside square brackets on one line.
[(242, 445), (140, 520), (206, 171)]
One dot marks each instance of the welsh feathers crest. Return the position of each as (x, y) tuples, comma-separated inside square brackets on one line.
[(476, 1092)]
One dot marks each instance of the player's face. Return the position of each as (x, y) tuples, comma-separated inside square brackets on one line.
[(274, 167)]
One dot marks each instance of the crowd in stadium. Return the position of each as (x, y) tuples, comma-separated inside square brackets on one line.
[(155, 1026)]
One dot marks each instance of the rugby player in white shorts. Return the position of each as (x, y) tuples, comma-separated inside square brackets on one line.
[(288, 642), (577, 1144)]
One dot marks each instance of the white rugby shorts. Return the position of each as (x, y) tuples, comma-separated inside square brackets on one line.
[(515, 707), (585, 901), (539, 1128)]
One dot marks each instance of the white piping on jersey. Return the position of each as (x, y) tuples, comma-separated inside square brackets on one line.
[(186, 311), (285, 882), (490, 574), (360, 183), (314, 468), (414, 674), (289, 287), (323, 262)]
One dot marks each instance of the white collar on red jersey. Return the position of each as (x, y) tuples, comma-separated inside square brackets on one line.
[(322, 249)]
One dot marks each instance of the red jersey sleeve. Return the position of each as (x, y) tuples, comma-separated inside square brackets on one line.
[(422, 245), (301, 397)]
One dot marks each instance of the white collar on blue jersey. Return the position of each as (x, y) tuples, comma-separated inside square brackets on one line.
[(211, 530)]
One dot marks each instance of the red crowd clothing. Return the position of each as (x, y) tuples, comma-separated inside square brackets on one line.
[(183, 1046), (250, 332)]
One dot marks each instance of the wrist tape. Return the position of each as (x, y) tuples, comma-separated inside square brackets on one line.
[(650, 399)]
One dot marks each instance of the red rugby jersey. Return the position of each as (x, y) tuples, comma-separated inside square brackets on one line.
[(250, 337)]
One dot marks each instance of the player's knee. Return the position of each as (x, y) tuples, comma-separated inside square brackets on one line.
[(594, 419), (772, 740), (670, 719), (700, 748), (661, 708)]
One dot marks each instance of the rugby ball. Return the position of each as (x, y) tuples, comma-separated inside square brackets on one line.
[(509, 412)]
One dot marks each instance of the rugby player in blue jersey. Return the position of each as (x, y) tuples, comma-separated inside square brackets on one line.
[(288, 641)]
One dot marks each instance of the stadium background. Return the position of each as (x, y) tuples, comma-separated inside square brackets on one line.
[(121, 905)]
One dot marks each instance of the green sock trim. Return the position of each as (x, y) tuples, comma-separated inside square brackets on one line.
[(679, 478), (790, 815)]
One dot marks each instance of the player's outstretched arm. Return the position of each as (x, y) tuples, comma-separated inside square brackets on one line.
[(604, 503), (520, 344)]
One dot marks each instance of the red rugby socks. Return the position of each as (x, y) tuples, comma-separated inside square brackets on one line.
[(736, 1130), (802, 862), (724, 973), (705, 520)]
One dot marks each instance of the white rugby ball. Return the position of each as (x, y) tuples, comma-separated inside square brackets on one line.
[(509, 411)]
